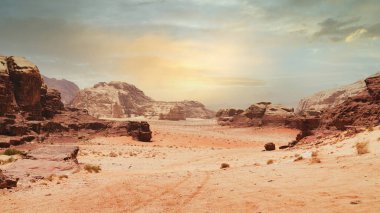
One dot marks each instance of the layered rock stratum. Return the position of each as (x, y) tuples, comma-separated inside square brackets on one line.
[(119, 100), (327, 99), (260, 114), (67, 88)]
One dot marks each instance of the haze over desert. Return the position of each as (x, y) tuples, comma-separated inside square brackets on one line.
[(189, 106)]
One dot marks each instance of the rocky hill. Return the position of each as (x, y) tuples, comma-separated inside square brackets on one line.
[(120, 99), (329, 98), (362, 110), (67, 88)]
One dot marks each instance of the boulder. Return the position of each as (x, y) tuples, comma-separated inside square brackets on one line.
[(7, 182), (54, 153), (269, 146)]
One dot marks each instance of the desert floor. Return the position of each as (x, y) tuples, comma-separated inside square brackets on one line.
[(180, 172)]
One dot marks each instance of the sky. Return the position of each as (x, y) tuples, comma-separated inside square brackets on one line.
[(223, 53)]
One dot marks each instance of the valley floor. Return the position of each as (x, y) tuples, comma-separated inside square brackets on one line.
[(180, 172)]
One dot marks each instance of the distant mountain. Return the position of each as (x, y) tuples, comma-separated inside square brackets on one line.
[(119, 99), (67, 88)]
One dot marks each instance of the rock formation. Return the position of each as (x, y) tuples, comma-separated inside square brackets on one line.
[(260, 114), (29, 110), (362, 110), (67, 88), (7, 182), (329, 98), (119, 99), (175, 114)]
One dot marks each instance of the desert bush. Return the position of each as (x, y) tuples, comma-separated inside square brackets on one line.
[(92, 168), (370, 128), (270, 161), (63, 176), (50, 177), (362, 147), (314, 157), (13, 152), (113, 154), (315, 160), (10, 160), (224, 165)]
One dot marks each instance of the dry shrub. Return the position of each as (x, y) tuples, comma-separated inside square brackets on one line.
[(315, 160), (298, 158), (224, 166), (270, 161), (92, 168), (314, 157), (10, 160), (50, 178), (63, 176), (113, 154), (362, 147), (13, 152)]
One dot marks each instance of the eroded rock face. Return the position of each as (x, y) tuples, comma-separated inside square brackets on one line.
[(22, 89), (263, 113), (7, 182), (329, 98), (362, 110), (119, 99)]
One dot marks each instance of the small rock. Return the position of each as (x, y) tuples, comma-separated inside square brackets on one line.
[(270, 146), (224, 166)]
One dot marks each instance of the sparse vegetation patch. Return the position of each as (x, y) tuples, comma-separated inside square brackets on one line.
[(362, 147), (92, 168), (13, 152)]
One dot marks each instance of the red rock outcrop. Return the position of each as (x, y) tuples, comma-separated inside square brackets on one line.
[(362, 110), (7, 182), (260, 114), (28, 109), (326, 99)]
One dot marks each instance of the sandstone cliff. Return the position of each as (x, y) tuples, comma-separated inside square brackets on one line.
[(329, 98), (22, 90), (67, 88), (120, 99), (362, 110)]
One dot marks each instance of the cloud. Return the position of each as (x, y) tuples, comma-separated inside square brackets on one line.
[(347, 30)]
